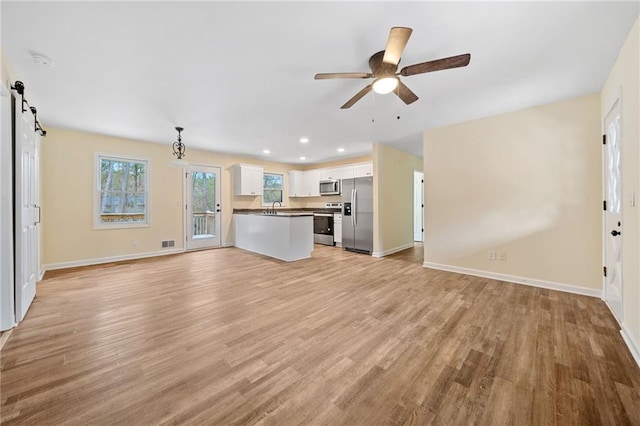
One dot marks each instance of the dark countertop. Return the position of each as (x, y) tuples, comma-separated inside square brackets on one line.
[(287, 212)]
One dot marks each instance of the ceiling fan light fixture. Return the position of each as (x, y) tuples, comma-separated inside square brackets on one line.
[(384, 85)]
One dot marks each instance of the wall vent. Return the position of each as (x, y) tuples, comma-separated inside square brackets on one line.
[(168, 243)]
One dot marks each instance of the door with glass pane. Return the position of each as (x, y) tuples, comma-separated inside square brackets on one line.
[(613, 212), (203, 207)]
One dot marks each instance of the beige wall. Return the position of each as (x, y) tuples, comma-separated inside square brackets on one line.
[(527, 183), (623, 82), (68, 162), (7, 74), (393, 198)]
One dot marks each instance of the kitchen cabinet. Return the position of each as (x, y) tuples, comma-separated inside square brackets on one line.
[(248, 179), (343, 172), (312, 183), (325, 174), (336, 173), (304, 184), (363, 169), (297, 187), (307, 183)]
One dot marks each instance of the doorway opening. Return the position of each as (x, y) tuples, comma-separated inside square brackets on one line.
[(418, 206)]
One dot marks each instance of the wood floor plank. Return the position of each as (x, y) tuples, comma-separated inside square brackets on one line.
[(230, 337)]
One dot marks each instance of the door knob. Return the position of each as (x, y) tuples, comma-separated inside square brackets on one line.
[(616, 233)]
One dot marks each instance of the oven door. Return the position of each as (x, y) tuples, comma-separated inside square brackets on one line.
[(323, 228)]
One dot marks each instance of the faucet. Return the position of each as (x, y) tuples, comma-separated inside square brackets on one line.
[(273, 207)]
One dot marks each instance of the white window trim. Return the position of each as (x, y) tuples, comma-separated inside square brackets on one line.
[(263, 188), (97, 223)]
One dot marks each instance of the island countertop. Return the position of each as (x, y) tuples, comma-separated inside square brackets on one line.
[(279, 214), (288, 238)]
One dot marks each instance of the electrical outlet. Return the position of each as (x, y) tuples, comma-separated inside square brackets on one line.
[(503, 256), (134, 243), (491, 255)]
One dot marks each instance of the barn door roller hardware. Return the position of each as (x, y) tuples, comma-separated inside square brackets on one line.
[(18, 86)]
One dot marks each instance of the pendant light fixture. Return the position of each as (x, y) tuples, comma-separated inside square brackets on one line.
[(178, 150)]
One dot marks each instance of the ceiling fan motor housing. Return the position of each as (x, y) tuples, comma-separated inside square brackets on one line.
[(379, 68)]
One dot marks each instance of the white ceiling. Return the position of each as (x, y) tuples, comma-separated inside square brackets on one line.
[(239, 76)]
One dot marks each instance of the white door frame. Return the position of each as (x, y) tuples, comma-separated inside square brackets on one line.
[(614, 302), (7, 298), (418, 174), (188, 242)]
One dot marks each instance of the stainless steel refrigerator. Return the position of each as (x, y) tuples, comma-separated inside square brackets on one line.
[(357, 214)]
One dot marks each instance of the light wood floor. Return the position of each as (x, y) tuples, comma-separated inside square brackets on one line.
[(228, 337)]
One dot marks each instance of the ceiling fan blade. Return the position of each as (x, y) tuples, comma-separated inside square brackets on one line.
[(404, 93), (357, 97), (327, 75), (398, 38), (437, 65)]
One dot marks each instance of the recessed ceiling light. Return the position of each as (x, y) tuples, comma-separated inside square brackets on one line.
[(303, 158), (340, 149), (266, 151), (304, 140)]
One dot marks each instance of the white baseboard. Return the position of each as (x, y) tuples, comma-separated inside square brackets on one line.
[(631, 344), (391, 251), (228, 244), (568, 288), (100, 260)]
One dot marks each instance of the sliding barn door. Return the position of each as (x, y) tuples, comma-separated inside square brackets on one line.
[(27, 210)]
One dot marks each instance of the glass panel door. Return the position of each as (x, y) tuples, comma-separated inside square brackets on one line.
[(613, 213), (203, 207)]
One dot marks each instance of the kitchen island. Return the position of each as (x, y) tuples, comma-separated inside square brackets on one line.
[(284, 236)]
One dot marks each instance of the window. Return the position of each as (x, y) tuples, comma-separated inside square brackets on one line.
[(273, 188), (122, 192)]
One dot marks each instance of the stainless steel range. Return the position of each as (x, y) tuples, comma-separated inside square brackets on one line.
[(323, 229)]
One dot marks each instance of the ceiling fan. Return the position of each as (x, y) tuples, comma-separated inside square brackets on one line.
[(384, 67)]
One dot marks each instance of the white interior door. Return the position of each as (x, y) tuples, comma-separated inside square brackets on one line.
[(613, 212), (418, 206), (27, 214), (203, 207)]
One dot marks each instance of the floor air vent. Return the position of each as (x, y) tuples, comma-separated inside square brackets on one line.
[(168, 243)]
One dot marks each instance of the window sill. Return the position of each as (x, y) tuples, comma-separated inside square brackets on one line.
[(121, 226)]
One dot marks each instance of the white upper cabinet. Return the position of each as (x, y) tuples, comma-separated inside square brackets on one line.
[(304, 184), (312, 183), (363, 169), (297, 187), (325, 174), (307, 183), (248, 179), (343, 172)]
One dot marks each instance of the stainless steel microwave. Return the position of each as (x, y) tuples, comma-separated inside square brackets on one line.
[(330, 187)]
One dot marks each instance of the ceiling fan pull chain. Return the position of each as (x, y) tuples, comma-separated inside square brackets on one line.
[(373, 107)]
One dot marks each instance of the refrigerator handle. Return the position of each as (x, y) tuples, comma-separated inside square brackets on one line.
[(353, 223), (355, 207)]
